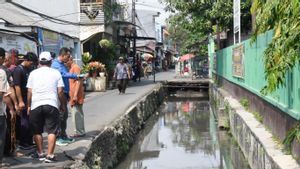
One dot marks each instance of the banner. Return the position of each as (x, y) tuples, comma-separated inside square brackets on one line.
[(238, 61)]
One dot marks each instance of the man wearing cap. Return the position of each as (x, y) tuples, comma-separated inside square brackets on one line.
[(59, 64), (122, 74), (20, 77), (45, 88)]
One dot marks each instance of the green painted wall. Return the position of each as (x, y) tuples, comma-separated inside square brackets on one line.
[(287, 98)]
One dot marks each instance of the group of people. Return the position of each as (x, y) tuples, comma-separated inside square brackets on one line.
[(34, 95)]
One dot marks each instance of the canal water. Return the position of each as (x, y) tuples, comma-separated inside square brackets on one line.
[(183, 135)]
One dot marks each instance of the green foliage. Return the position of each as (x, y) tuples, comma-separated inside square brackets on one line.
[(293, 133), (227, 107), (195, 20), (245, 103), (109, 50), (283, 53), (258, 117), (86, 58), (104, 43)]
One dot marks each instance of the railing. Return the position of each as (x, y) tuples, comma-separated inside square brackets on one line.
[(92, 6), (92, 12)]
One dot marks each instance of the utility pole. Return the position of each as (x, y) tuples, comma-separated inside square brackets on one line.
[(134, 30)]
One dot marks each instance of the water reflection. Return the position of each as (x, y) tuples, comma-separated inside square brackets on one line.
[(184, 136)]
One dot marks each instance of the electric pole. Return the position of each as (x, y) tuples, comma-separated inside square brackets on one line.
[(134, 30)]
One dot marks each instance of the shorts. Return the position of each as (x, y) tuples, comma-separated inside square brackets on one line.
[(44, 116)]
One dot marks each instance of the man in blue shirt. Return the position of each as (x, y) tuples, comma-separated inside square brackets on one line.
[(59, 64)]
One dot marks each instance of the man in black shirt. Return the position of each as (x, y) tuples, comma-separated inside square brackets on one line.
[(20, 77)]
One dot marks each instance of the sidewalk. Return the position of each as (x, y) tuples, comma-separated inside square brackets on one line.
[(100, 109)]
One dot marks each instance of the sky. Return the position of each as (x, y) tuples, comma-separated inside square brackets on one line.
[(154, 5)]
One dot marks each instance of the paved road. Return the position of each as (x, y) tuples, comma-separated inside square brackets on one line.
[(100, 109)]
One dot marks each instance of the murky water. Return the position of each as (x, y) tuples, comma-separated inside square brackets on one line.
[(184, 136)]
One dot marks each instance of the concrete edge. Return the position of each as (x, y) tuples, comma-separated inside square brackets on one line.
[(115, 140), (274, 157)]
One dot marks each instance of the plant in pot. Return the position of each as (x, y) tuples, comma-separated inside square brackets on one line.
[(86, 57)]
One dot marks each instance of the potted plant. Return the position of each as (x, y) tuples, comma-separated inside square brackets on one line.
[(95, 69)]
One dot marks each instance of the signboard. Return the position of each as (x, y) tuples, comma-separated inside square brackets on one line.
[(237, 20), (238, 61), (158, 33), (215, 61), (11, 41), (236, 15)]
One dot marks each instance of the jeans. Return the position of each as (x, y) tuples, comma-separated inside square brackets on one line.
[(63, 118), (78, 119), (2, 135)]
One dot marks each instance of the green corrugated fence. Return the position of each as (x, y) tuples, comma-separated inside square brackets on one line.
[(286, 98)]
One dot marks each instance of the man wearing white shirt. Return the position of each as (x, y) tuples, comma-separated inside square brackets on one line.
[(45, 90)]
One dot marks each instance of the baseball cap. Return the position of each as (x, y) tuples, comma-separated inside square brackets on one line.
[(121, 58), (45, 56), (21, 57)]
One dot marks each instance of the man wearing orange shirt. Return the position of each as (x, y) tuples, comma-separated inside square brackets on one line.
[(76, 99)]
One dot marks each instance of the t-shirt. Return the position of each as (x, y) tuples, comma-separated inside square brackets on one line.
[(121, 71), (75, 69), (8, 75), (20, 77), (44, 82), (3, 88)]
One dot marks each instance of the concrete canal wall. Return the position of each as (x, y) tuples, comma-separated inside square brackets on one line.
[(115, 141), (256, 142)]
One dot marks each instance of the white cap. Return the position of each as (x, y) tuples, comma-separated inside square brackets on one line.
[(45, 56)]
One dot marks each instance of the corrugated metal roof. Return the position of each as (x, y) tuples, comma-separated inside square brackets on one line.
[(20, 17)]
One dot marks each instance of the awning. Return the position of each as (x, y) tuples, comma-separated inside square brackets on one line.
[(186, 57), (147, 56), (88, 31)]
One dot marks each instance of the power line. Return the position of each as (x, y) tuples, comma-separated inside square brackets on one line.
[(54, 19)]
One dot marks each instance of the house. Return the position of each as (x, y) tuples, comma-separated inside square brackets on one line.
[(32, 23)]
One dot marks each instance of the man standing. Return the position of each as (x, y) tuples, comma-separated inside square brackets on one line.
[(59, 64), (122, 74), (45, 85), (4, 91), (10, 143), (20, 77), (76, 99)]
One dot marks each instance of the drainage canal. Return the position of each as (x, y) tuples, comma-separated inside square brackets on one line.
[(183, 135)]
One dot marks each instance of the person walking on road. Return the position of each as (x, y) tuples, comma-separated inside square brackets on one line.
[(20, 77), (45, 87), (76, 99), (59, 64), (122, 74)]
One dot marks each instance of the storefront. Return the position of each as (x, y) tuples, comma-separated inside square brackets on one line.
[(16, 42), (52, 42)]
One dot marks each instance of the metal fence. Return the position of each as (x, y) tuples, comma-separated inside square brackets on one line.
[(287, 98)]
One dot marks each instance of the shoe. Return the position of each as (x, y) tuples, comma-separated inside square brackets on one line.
[(61, 142), (68, 140), (50, 159), (36, 155)]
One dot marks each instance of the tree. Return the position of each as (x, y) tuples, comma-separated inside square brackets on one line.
[(283, 53), (200, 18)]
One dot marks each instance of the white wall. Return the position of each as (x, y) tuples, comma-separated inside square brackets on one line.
[(61, 9)]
